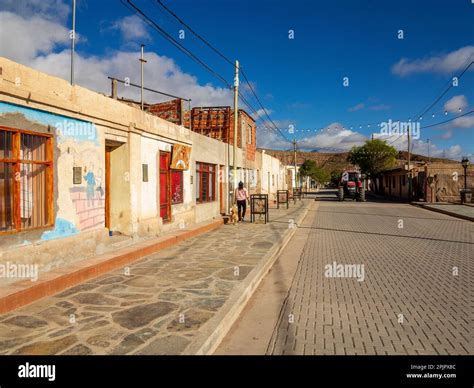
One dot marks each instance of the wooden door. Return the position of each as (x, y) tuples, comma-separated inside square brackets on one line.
[(222, 189), (108, 150), (165, 186)]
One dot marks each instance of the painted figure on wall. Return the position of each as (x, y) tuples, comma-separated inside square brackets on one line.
[(90, 190)]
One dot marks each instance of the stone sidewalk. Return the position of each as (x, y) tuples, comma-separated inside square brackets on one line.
[(456, 210), (157, 305)]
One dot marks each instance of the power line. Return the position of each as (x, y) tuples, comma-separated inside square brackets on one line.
[(447, 121), (225, 58), (451, 85), (178, 45), (259, 102), (195, 33), (425, 110)]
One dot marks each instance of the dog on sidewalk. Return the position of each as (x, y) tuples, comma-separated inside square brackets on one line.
[(234, 217)]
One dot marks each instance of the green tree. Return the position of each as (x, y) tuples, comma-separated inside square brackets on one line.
[(309, 168), (336, 177), (373, 157)]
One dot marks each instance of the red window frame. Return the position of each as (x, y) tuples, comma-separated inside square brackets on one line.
[(16, 161), (206, 172)]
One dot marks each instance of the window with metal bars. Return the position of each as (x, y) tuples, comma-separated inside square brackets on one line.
[(205, 182), (26, 180)]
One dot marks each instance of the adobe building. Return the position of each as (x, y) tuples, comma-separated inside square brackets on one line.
[(217, 122), (79, 169), (431, 182)]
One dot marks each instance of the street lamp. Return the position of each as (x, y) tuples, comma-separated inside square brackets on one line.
[(465, 164)]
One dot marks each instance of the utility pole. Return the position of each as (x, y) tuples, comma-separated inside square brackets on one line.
[(142, 62), (429, 157), (73, 39), (294, 161), (236, 123), (409, 169)]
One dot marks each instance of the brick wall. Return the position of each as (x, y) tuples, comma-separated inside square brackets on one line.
[(249, 127), (214, 122), (210, 121), (169, 110), (90, 211)]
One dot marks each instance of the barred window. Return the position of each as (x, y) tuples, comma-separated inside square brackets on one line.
[(205, 182), (26, 180)]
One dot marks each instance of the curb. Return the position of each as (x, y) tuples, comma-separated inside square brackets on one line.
[(214, 331), (25, 292), (467, 218)]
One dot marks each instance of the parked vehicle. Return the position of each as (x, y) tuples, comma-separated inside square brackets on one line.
[(351, 186)]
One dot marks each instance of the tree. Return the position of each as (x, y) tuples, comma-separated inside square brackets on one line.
[(307, 168), (336, 177), (311, 169), (373, 157)]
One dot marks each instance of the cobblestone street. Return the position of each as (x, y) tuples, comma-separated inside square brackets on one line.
[(415, 297), (155, 306)]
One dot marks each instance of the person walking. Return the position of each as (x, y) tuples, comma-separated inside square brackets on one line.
[(241, 196)]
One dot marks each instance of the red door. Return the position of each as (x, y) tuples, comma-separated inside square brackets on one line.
[(165, 186)]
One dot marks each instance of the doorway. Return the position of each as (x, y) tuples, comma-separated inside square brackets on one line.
[(222, 189), (117, 187), (108, 150), (165, 186)]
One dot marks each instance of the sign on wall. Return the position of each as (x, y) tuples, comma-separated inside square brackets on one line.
[(180, 157)]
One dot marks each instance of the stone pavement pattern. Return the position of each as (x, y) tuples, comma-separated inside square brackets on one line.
[(408, 271), (463, 210), (155, 306)]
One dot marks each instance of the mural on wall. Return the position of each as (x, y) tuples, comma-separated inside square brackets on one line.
[(180, 157), (78, 207), (88, 198)]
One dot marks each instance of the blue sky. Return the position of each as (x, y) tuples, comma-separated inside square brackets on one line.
[(300, 80)]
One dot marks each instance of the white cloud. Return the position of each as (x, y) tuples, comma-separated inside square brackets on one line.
[(447, 135), (357, 107), (420, 147), (443, 64), (47, 9), (32, 37), (362, 105), (379, 107), (44, 45), (160, 73), (260, 113), (267, 137), (132, 28), (334, 136), (456, 102), (463, 122)]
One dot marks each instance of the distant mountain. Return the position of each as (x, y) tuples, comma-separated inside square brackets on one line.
[(337, 160)]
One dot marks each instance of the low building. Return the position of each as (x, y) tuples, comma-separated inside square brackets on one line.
[(431, 182), (77, 167)]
